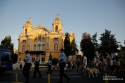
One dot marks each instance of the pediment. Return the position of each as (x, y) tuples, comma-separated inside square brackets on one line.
[(39, 31)]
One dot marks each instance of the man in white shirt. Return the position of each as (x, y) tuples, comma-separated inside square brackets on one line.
[(27, 66), (62, 63), (84, 64), (36, 68)]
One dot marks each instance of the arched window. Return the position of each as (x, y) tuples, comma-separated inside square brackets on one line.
[(34, 46), (43, 47), (25, 31), (43, 59), (24, 42), (33, 58), (23, 48), (35, 40), (55, 46), (42, 39), (39, 46), (56, 29), (39, 38)]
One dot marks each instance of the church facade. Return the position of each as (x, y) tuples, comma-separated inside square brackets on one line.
[(42, 41)]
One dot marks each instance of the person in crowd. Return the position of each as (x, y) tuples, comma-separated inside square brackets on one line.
[(49, 66), (89, 64), (108, 59), (73, 65), (114, 64), (124, 63), (36, 68), (27, 66), (57, 65), (104, 63), (97, 62), (66, 67), (20, 66), (62, 63), (121, 64), (84, 64)]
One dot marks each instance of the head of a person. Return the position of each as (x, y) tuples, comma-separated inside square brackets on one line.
[(107, 52), (26, 52), (61, 50), (37, 55)]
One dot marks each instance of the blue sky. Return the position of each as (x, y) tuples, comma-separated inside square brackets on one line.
[(80, 16)]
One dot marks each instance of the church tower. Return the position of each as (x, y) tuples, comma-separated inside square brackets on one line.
[(57, 26), (23, 38), (27, 26)]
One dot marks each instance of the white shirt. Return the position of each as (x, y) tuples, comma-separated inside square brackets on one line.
[(50, 62), (66, 66), (28, 58), (62, 56), (104, 61), (94, 60), (85, 60), (37, 60)]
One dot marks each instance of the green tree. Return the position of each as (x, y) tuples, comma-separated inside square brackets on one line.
[(108, 42), (67, 44), (73, 47), (95, 42), (6, 43), (87, 46)]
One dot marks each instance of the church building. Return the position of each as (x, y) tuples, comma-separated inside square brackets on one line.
[(41, 41)]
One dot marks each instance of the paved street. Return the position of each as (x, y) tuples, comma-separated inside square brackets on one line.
[(10, 76)]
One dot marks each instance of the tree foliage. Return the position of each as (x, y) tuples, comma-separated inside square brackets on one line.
[(108, 42), (6, 43), (73, 47), (95, 42), (87, 46), (70, 47), (67, 44)]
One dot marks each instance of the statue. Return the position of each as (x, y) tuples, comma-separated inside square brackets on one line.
[(40, 24), (57, 16), (71, 33), (30, 20)]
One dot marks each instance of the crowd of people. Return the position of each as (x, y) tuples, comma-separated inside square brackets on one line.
[(27, 65), (103, 63)]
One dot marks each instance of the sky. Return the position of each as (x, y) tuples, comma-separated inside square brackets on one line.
[(80, 16)]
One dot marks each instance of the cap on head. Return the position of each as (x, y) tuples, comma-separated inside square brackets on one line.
[(26, 51), (61, 49)]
